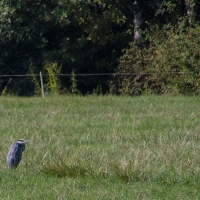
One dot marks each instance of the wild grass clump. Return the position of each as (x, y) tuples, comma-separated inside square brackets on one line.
[(62, 170)]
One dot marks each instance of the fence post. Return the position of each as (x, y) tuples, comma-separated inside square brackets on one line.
[(42, 86)]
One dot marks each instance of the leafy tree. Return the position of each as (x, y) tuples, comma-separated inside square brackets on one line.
[(23, 25), (84, 36), (104, 29)]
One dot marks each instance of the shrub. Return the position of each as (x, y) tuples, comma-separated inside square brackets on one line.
[(169, 63)]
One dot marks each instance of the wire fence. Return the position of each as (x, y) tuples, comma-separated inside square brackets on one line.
[(40, 75), (101, 74)]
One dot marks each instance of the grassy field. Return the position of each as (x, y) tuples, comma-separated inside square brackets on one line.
[(98, 147)]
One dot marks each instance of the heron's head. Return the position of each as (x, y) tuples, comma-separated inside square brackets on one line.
[(22, 142)]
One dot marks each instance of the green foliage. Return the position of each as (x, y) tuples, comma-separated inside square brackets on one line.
[(98, 90), (5, 89), (36, 83), (37, 86), (169, 64), (73, 87), (87, 36), (53, 82)]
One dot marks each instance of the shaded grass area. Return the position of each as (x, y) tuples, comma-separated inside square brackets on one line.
[(102, 147)]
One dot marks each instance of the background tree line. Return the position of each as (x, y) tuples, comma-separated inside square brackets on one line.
[(157, 40)]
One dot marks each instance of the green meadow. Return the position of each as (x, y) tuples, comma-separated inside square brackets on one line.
[(102, 147)]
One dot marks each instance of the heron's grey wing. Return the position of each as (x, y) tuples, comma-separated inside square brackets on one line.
[(14, 155)]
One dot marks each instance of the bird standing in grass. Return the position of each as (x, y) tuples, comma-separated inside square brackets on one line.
[(15, 153)]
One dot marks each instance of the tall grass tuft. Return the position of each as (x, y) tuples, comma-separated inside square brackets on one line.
[(63, 170)]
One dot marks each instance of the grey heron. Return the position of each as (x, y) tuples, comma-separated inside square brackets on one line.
[(15, 153)]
